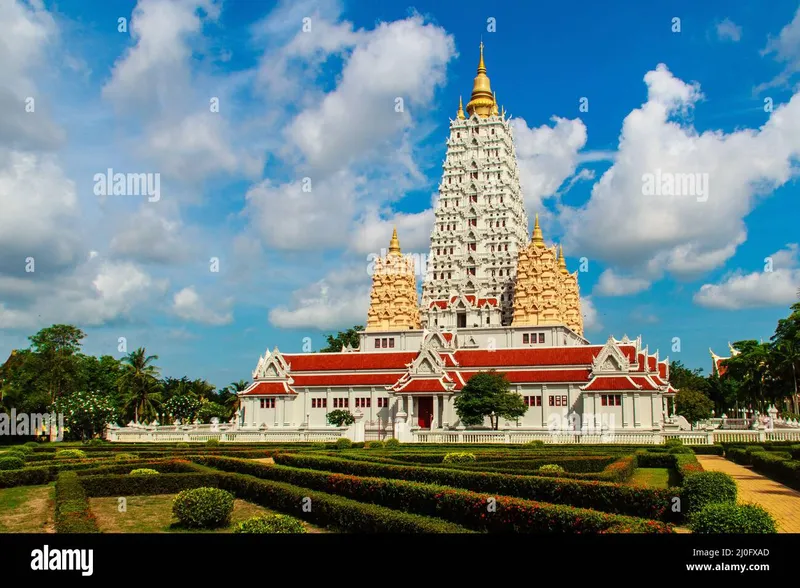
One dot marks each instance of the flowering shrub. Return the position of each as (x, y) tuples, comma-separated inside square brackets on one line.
[(69, 454), (143, 472), (203, 507), (86, 414), (459, 458), (183, 407), (273, 523)]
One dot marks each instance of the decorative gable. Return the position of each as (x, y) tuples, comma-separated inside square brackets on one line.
[(271, 366), (611, 359)]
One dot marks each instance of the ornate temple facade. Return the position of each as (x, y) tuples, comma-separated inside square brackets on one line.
[(491, 299)]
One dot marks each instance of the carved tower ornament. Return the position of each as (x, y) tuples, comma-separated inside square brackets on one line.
[(393, 300)]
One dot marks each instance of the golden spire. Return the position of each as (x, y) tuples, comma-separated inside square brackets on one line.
[(494, 107), (538, 239), (481, 100), (460, 114), (394, 244), (562, 263)]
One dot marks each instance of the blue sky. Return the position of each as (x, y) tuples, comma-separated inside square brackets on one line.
[(687, 96)]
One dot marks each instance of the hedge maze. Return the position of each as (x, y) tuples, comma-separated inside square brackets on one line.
[(353, 488)]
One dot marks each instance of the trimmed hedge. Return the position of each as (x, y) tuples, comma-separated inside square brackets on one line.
[(203, 508), (732, 518), (72, 513), (127, 485), (143, 472), (706, 488), (469, 509), (328, 510), (273, 523), (715, 449), (649, 503), (773, 464), (11, 463), (70, 454)]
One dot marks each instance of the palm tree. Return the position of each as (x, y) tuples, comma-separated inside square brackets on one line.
[(787, 358), (234, 402), (139, 383)]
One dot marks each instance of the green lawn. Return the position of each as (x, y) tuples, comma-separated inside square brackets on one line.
[(654, 478), (27, 509), (153, 514)]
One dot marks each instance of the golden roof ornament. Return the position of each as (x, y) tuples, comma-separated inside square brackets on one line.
[(482, 99), (562, 263), (394, 244), (460, 114), (538, 238)]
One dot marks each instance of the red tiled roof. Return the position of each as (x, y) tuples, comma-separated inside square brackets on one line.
[(662, 370), (645, 383), (422, 385), (489, 301), (449, 361), (539, 376), (546, 356), (261, 388), (447, 337), (363, 379), (320, 362), (651, 363), (640, 359), (610, 383), (440, 303)]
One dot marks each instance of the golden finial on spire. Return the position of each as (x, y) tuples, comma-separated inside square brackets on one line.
[(562, 263), (460, 114), (538, 238), (394, 244), (481, 100), (494, 107)]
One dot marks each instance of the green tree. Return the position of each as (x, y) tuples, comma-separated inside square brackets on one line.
[(183, 406), (100, 374), (488, 394), (785, 356), (232, 400), (751, 368), (342, 338), (341, 418), (57, 347), (21, 385), (693, 405), (139, 384), (682, 377)]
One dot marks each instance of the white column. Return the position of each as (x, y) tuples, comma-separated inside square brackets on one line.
[(306, 409), (435, 415), (623, 405), (351, 403), (275, 410), (636, 422), (654, 408), (283, 412), (544, 403), (597, 420), (410, 410), (253, 403)]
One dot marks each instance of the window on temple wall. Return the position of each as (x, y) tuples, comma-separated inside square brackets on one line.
[(525, 339), (552, 401), (319, 403), (541, 337), (341, 402), (267, 403), (383, 403), (611, 399), (533, 401), (473, 198), (471, 271), (384, 343), (449, 275), (451, 251), (506, 247), (487, 320), (377, 343), (473, 222), (564, 401), (363, 402), (473, 175), (472, 246), (391, 342)]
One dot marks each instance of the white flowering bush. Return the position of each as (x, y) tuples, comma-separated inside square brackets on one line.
[(86, 414), (183, 407)]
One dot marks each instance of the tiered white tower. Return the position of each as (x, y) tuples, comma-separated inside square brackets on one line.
[(480, 220)]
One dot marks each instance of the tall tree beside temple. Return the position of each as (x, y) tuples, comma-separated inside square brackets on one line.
[(57, 348), (140, 385), (488, 394), (693, 405)]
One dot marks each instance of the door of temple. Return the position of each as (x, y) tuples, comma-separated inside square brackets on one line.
[(424, 411)]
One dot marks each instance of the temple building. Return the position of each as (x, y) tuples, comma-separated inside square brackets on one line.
[(492, 298)]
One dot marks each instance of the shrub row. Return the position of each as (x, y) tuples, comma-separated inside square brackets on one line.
[(470, 509), (649, 503), (164, 466), (328, 510), (584, 464), (72, 513), (774, 465), (126, 485)]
